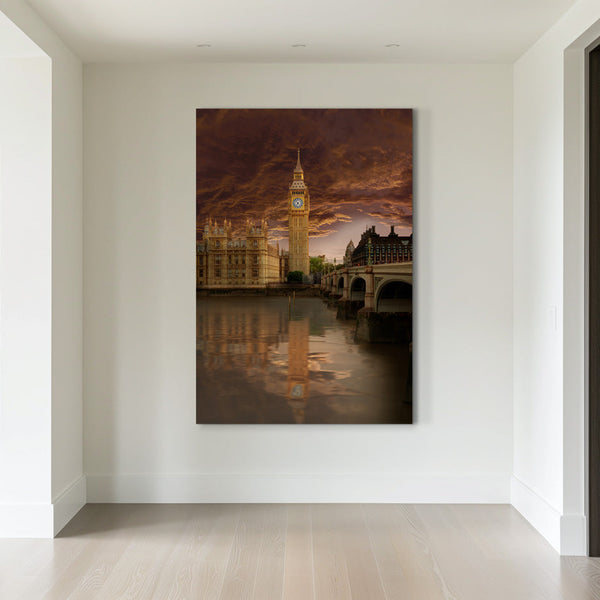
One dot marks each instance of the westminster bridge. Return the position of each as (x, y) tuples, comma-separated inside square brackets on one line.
[(382, 288)]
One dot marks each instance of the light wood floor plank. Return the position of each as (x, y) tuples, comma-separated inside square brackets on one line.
[(331, 570), (271, 556), (295, 552), (583, 573), (461, 562), (104, 530), (19, 561), (363, 571), (402, 549), (298, 580), (196, 566), (56, 572), (521, 555), (137, 571), (240, 576)]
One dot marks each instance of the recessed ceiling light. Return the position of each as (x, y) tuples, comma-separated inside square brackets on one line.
[(203, 45), (392, 45), (298, 45)]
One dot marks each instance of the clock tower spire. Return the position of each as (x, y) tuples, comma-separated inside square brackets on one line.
[(299, 171), (298, 210)]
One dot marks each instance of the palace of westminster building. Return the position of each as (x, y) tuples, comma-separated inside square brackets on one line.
[(250, 261), (225, 261)]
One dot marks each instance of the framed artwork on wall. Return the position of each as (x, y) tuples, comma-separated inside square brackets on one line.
[(304, 266)]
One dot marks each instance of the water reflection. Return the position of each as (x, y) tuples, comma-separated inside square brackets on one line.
[(257, 361), (298, 373)]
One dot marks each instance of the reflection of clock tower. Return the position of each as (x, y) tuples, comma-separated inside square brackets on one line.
[(298, 379), (298, 209)]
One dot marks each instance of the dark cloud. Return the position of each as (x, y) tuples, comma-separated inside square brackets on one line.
[(357, 164)]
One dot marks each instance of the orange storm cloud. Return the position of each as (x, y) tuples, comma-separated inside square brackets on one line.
[(357, 166)]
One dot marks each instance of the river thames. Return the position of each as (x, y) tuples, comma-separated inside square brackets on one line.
[(267, 360)]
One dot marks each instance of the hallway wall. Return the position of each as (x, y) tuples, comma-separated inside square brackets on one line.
[(141, 440)]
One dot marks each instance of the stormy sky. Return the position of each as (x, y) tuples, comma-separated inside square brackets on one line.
[(357, 167)]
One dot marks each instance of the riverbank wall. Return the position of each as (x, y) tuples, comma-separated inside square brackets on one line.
[(299, 290)]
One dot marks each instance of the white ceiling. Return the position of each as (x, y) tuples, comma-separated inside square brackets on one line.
[(333, 30)]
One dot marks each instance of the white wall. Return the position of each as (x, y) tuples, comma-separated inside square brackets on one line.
[(140, 437), (549, 257), (60, 421), (68, 482), (25, 286)]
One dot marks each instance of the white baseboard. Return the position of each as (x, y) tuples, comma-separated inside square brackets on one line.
[(297, 488), (26, 521), (565, 533), (42, 520), (573, 535), (68, 503)]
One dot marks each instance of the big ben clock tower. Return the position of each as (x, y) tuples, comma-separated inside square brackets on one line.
[(298, 209)]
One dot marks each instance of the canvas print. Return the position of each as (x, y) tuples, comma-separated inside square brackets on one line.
[(304, 266)]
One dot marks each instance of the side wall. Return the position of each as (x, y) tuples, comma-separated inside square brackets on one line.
[(66, 491), (141, 441), (25, 303), (548, 486)]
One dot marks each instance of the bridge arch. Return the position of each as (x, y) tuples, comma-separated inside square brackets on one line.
[(394, 295), (340, 284), (358, 287)]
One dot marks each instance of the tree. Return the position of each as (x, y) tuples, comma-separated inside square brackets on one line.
[(316, 264), (295, 277)]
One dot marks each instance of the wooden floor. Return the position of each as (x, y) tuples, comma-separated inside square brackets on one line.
[(296, 552)]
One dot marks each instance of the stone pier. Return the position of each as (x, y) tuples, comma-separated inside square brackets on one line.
[(372, 326), (348, 309)]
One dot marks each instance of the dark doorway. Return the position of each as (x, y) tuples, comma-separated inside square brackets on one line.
[(594, 304)]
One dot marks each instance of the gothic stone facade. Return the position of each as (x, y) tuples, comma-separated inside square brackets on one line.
[(250, 261), (298, 211), (225, 261)]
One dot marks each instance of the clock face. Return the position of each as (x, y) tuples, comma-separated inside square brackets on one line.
[(297, 202), (297, 391)]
